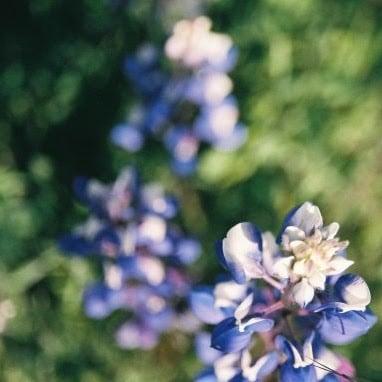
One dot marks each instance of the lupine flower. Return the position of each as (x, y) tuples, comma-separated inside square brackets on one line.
[(143, 255), (189, 105), (287, 300)]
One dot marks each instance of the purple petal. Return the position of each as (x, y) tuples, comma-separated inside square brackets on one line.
[(342, 328), (127, 137), (202, 304), (97, 301), (188, 250), (136, 336), (203, 348)]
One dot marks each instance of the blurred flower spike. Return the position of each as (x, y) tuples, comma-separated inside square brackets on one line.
[(285, 300), (7, 312), (189, 105), (143, 256)]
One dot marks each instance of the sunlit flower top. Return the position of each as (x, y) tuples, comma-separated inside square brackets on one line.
[(143, 255), (189, 104), (293, 293)]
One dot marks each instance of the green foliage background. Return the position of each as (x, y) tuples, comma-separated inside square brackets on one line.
[(309, 84)]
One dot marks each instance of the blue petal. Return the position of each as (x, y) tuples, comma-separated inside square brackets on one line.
[(107, 236), (203, 305), (220, 254), (269, 366), (80, 186), (97, 301), (184, 168), (159, 321), (227, 338), (133, 335), (128, 137), (204, 351), (238, 378), (287, 222), (160, 204), (157, 114), (128, 266), (76, 244), (94, 202), (188, 250), (330, 378), (207, 375), (342, 328)]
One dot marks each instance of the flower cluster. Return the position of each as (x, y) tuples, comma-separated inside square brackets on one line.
[(301, 302), (191, 104), (143, 256)]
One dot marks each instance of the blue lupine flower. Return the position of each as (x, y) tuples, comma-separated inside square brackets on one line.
[(143, 254), (191, 104), (290, 296)]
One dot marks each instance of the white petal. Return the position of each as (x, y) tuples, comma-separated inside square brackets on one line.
[(153, 269), (329, 359), (243, 309), (226, 366), (357, 293), (282, 267), (303, 293), (307, 218), (270, 251), (240, 248), (113, 276), (294, 233), (239, 239), (298, 247), (308, 350), (298, 361), (228, 293), (255, 320), (330, 231), (317, 280), (344, 308), (338, 265), (246, 359), (300, 268)]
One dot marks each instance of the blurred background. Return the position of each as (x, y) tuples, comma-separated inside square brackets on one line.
[(309, 85)]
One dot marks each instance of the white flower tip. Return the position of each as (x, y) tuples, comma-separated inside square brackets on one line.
[(303, 293), (282, 267), (357, 293), (244, 308), (338, 265)]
